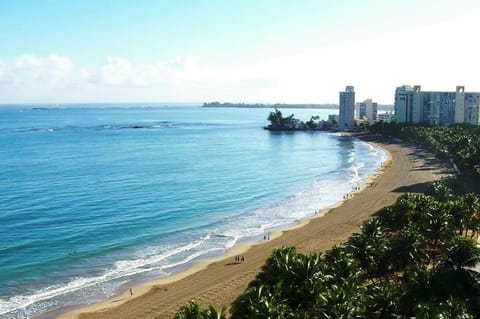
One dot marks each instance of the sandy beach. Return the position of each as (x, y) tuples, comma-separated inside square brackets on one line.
[(218, 282)]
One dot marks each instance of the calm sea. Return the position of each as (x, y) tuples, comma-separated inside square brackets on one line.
[(94, 197)]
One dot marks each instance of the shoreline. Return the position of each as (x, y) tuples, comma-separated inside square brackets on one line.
[(220, 289), (74, 312)]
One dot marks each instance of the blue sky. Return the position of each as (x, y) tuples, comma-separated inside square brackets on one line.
[(245, 51)]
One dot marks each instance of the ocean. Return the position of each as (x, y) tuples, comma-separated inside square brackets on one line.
[(93, 197)]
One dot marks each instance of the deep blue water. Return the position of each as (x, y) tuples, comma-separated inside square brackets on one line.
[(91, 198)]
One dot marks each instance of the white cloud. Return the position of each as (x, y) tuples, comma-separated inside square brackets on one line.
[(53, 71), (438, 57), (2, 70), (117, 71)]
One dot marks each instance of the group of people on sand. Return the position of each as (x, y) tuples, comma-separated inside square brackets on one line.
[(239, 259), (350, 195)]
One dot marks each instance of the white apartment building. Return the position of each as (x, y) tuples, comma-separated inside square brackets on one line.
[(347, 108), (412, 105), (386, 117), (333, 118), (367, 110)]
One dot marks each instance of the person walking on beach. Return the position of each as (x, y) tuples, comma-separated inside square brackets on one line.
[(131, 292)]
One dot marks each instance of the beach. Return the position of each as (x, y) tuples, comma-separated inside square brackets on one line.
[(132, 205), (218, 282)]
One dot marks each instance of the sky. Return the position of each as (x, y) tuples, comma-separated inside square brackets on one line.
[(252, 51)]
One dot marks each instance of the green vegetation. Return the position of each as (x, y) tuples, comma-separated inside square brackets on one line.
[(381, 107), (459, 142), (412, 259), (280, 123), (192, 311), (276, 105)]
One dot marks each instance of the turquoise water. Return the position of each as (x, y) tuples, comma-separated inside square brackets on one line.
[(94, 197)]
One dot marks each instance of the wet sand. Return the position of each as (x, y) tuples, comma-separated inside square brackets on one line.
[(218, 282)]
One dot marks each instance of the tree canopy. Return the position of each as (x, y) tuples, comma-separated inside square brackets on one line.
[(412, 259), (458, 142)]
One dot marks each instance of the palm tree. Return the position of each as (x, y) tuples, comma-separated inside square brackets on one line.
[(345, 300), (300, 276), (213, 313), (261, 302), (287, 284), (276, 119), (416, 288), (441, 192), (451, 308), (278, 266), (459, 141), (341, 265), (306, 281), (472, 203), (438, 228), (383, 301), (190, 311), (460, 213), (408, 248), (310, 124), (460, 253), (344, 288), (372, 247)]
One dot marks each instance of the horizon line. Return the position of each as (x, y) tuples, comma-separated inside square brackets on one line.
[(166, 103)]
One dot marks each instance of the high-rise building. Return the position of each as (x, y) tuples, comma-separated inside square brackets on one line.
[(347, 108), (367, 110), (386, 117), (438, 107), (415, 106), (407, 104), (471, 112), (467, 106), (333, 118)]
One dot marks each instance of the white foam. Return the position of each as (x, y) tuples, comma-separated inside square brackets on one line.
[(21, 302), (322, 192), (190, 258), (122, 268), (355, 170), (135, 265)]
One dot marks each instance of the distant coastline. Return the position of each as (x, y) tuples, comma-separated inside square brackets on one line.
[(383, 107), (276, 105)]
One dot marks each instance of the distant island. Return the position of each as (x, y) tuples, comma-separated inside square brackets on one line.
[(276, 105), (381, 107)]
